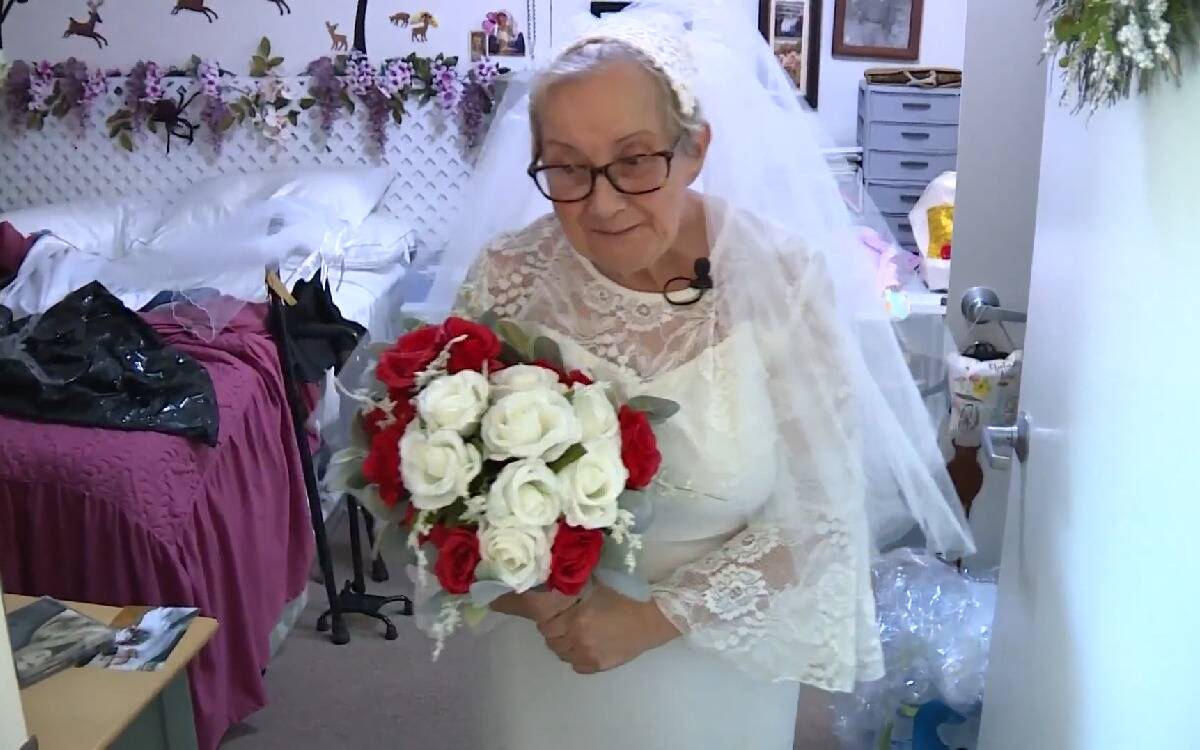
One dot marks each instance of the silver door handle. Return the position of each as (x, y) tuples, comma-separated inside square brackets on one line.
[(982, 305), (1001, 444)]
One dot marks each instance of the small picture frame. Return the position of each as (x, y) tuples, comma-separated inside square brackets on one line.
[(878, 29), (478, 46), (793, 30), (603, 9), (503, 36)]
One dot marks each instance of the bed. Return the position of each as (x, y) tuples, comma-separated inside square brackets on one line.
[(93, 514)]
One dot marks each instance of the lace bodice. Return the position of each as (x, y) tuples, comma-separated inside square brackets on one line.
[(784, 593)]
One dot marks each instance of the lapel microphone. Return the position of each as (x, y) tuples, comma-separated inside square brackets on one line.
[(694, 288)]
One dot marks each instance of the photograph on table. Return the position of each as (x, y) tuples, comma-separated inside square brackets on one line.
[(793, 29), (877, 29)]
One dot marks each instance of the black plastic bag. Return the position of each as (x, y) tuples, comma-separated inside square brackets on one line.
[(321, 338), (89, 360)]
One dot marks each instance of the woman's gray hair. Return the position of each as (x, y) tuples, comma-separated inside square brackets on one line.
[(590, 57)]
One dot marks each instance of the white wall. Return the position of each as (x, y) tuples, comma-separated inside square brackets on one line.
[(942, 42), (145, 29)]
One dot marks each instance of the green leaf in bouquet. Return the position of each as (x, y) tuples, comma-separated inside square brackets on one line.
[(490, 319), (344, 472), (638, 503), (307, 102), (411, 324), (264, 47), (612, 555), (274, 62), (630, 586), (546, 350), (510, 356), (126, 141), (483, 593), (514, 335), (656, 409), (474, 616), (573, 454)]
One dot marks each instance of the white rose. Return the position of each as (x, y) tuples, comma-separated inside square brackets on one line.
[(530, 424), (524, 494), (589, 489), (454, 402), (596, 415), (437, 467), (524, 378), (518, 556)]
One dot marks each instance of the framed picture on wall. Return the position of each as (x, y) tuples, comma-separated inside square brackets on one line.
[(601, 9), (878, 29), (793, 29)]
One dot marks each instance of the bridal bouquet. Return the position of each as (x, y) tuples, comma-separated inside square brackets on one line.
[(510, 473)]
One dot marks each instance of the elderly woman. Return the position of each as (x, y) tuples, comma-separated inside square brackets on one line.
[(759, 551)]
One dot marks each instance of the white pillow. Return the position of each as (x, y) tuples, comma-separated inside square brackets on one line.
[(379, 242), (348, 194), (98, 227)]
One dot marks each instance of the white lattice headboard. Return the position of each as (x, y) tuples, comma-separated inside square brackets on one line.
[(64, 162)]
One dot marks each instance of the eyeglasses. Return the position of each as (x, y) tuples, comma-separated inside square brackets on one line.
[(637, 174)]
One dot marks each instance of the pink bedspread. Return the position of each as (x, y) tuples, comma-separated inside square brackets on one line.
[(127, 518)]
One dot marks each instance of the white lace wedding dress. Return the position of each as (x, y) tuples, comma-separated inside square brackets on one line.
[(768, 599)]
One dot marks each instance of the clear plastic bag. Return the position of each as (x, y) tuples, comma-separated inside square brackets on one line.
[(936, 626)]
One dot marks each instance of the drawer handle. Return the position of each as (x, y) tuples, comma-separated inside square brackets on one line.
[(915, 164), (909, 198), (916, 105), (914, 136)]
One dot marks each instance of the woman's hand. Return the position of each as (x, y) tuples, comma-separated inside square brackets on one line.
[(606, 630), (533, 605)]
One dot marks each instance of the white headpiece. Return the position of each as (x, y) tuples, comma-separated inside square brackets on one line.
[(658, 37)]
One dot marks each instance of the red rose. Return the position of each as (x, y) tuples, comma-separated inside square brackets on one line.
[(381, 467), (573, 558), (639, 449), (480, 346), (566, 378), (458, 554), (436, 536), (398, 366)]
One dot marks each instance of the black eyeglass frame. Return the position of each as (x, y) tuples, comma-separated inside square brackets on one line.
[(669, 154)]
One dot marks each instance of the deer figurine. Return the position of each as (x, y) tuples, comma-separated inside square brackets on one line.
[(421, 28), (338, 40), (400, 19), (196, 6), (284, 8), (88, 28)]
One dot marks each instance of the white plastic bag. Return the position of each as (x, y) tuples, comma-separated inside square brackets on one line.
[(935, 271)]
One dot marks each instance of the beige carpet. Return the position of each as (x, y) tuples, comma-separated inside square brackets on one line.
[(370, 693)]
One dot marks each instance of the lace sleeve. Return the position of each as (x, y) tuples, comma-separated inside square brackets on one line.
[(789, 597)]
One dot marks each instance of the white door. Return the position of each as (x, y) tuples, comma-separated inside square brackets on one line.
[(1097, 635)]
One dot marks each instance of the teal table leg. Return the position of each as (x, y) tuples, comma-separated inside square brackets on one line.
[(166, 724)]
